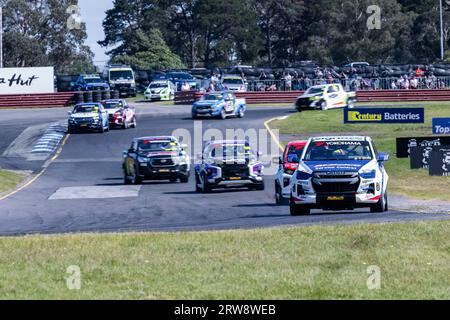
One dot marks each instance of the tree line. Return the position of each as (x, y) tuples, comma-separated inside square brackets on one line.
[(207, 33), (162, 34)]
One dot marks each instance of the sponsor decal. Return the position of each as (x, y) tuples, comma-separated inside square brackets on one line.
[(384, 115), (440, 162), (441, 126), (404, 145)]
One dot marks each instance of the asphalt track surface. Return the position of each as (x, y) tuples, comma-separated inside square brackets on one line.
[(90, 166)]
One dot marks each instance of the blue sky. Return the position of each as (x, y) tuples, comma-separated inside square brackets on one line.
[(93, 13)]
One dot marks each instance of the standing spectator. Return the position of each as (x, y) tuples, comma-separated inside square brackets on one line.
[(308, 83), (414, 83), (419, 72), (393, 85), (288, 81), (185, 87)]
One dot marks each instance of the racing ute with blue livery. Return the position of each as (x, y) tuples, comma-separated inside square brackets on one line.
[(339, 173), (156, 158), (86, 82), (88, 116), (228, 164), (219, 105)]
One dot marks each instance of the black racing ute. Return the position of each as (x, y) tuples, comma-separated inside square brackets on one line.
[(156, 158)]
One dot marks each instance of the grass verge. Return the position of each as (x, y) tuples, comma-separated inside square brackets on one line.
[(404, 181), (9, 180), (294, 263)]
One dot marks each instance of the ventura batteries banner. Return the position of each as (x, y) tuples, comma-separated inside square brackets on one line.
[(441, 126), (27, 80), (384, 115)]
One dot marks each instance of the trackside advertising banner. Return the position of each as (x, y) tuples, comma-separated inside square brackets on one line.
[(26, 80), (404, 145), (441, 126), (384, 115)]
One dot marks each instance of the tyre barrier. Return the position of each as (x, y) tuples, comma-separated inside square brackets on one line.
[(88, 97), (115, 94), (106, 95), (97, 96)]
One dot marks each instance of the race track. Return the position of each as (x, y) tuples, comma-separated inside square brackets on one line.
[(82, 190)]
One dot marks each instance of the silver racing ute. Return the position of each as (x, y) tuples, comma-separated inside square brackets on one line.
[(225, 164)]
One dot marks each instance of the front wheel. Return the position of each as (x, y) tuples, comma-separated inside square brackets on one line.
[(298, 210), (279, 200), (184, 179), (134, 123), (223, 114), (351, 103), (241, 113), (324, 105), (382, 205), (205, 185)]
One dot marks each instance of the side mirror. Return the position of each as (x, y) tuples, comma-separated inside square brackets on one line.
[(131, 150), (382, 157), (277, 160)]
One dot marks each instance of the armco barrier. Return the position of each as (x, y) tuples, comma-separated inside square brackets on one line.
[(268, 97), (50, 100)]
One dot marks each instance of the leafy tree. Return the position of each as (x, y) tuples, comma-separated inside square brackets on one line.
[(148, 51), (36, 34)]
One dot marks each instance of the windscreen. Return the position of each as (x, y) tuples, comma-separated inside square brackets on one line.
[(232, 81), (338, 150), (231, 152), (315, 91), (86, 109), (93, 80), (112, 105), (155, 146), (121, 75)]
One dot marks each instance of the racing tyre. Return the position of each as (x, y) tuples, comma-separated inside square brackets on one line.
[(197, 182), (260, 187), (134, 124), (205, 185), (351, 103), (381, 206), (125, 125), (323, 105), (223, 114), (127, 180), (279, 200), (298, 210), (184, 179), (241, 113), (173, 180)]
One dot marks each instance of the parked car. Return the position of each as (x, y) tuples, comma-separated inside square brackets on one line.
[(156, 158), (234, 83), (120, 114), (121, 78), (88, 116), (326, 97), (92, 82), (160, 90), (224, 164), (339, 173), (219, 104), (288, 165)]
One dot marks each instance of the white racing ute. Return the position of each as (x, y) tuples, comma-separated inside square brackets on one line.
[(326, 97), (339, 173)]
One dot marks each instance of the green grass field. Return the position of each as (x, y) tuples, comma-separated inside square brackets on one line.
[(9, 180), (404, 181), (293, 263)]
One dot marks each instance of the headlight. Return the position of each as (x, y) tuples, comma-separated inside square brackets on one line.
[(142, 159), (301, 175), (368, 174), (289, 172)]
